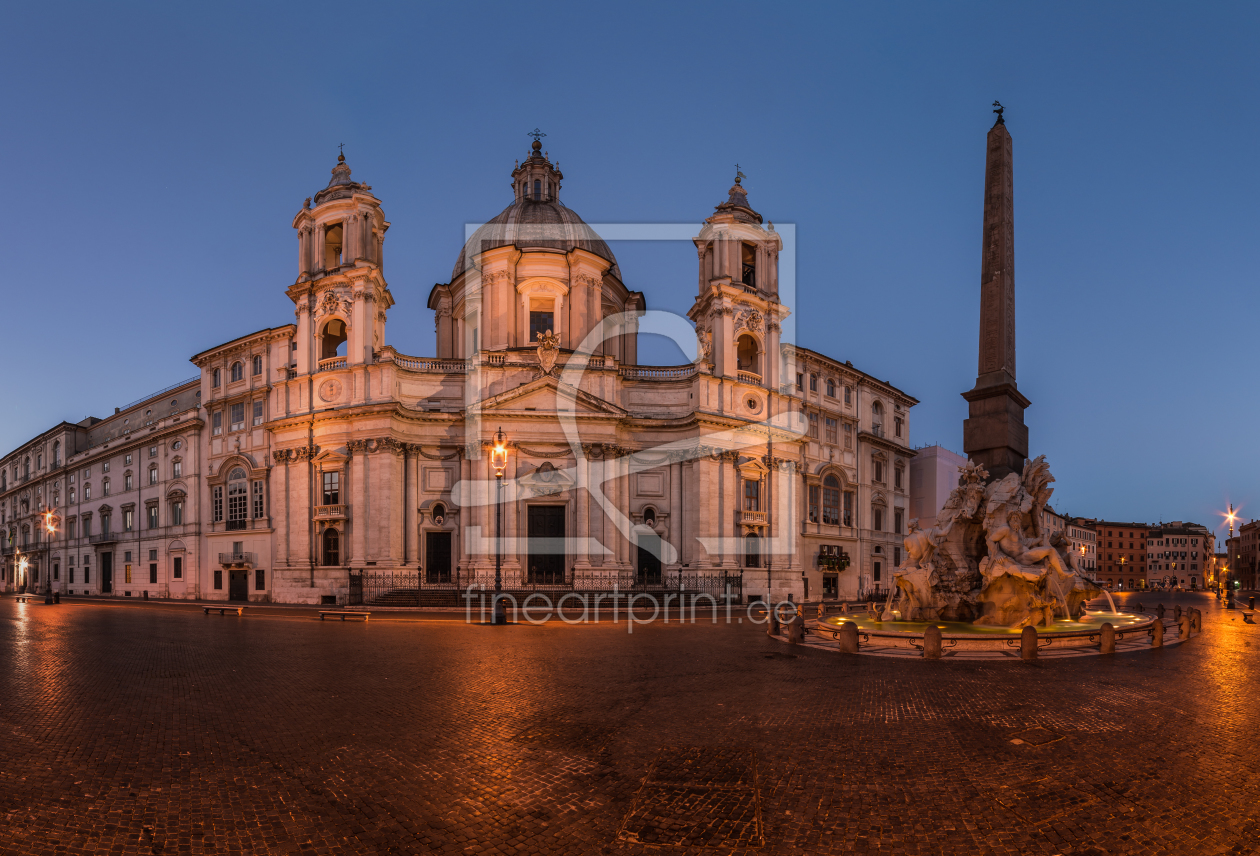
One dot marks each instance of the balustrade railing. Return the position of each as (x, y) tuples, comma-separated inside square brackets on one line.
[(749, 377), (332, 363), (657, 372), (332, 511), (237, 558)]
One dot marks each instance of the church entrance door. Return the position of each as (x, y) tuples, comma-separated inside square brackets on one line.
[(649, 564), (437, 559), (546, 545)]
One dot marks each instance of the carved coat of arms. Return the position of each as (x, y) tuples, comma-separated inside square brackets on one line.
[(548, 350)]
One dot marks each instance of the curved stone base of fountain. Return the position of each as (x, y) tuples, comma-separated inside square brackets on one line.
[(963, 640)]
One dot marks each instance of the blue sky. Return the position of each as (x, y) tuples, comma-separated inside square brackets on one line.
[(155, 156)]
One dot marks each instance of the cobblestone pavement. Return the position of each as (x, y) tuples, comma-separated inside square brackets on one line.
[(158, 730)]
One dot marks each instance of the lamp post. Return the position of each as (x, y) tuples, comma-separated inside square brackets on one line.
[(498, 459), (51, 521)]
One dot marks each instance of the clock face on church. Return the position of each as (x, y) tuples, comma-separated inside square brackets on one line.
[(330, 390)]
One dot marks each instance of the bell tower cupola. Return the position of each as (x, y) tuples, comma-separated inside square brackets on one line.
[(737, 310), (537, 180), (340, 293)]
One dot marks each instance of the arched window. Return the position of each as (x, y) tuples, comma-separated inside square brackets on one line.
[(748, 355), (333, 339), (238, 371), (537, 190), (877, 415), (238, 499), (214, 378), (752, 551), (831, 500), (649, 517), (257, 365), (332, 547), (831, 388)]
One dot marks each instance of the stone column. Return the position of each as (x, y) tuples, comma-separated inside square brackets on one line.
[(675, 508), (581, 517)]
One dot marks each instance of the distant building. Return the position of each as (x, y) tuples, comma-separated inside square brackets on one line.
[(933, 474), (1084, 540), (1122, 555), (1177, 554), (1245, 555)]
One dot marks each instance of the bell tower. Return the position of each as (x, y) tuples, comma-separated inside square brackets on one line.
[(340, 293), (737, 311)]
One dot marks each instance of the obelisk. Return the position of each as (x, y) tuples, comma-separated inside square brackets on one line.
[(995, 434)]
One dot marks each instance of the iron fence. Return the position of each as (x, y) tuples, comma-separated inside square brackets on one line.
[(418, 588)]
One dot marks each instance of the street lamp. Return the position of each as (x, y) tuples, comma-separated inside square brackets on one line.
[(51, 521), (498, 460)]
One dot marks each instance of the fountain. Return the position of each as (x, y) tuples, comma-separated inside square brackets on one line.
[(989, 568)]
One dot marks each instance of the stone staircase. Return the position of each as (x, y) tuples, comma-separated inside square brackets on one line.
[(414, 598)]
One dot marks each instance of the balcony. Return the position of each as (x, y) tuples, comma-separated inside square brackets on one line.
[(332, 363), (332, 512), (237, 525), (749, 378), (752, 518), (104, 538), (238, 559)]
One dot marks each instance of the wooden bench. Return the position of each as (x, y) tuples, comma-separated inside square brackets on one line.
[(343, 613), (223, 610)]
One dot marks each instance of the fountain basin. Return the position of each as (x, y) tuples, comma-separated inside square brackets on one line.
[(959, 635)]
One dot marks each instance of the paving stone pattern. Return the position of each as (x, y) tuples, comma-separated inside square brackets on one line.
[(153, 730)]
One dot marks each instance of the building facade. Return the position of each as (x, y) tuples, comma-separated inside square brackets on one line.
[(1178, 554), (307, 457), (1122, 554), (934, 472), (1084, 540)]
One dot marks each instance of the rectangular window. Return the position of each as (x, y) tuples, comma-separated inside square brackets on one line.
[(56, 570), (800, 380), (152, 572), (217, 503), (71, 569), (153, 517), (177, 469), (238, 416), (258, 412), (87, 572), (897, 477), (879, 471), (897, 426), (87, 531), (332, 488), (153, 478), (848, 395), (153, 555), (878, 519), (875, 572), (813, 426), (813, 382), (71, 525), (258, 499), (848, 508), (815, 492), (127, 572), (153, 451), (897, 525), (260, 579), (129, 519), (218, 579), (539, 323), (177, 568), (848, 436), (105, 467), (752, 495), (177, 513), (126, 460), (832, 434), (216, 422), (896, 557)]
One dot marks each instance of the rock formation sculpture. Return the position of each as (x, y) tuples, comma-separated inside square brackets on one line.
[(989, 560)]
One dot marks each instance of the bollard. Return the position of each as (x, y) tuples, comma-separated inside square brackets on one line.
[(1140, 608), (796, 630), (848, 638), (56, 597), (1028, 643), (1251, 603), (1177, 613), (1107, 639), (772, 626), (1157, 634), (1159, 610), (932, 643), (1183, 627)]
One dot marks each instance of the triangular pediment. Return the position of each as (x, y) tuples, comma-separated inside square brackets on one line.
[(549, 395)]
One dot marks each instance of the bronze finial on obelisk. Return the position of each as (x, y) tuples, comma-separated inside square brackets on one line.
[(994, 434)]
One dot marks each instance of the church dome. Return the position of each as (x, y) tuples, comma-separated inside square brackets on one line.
[(535, 220)]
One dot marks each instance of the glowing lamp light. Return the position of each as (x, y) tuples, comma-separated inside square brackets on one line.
[(51, 521), (498, 457)]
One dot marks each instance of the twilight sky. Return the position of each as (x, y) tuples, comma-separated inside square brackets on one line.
[(156, 154)]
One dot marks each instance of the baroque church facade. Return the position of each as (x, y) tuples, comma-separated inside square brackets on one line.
[(305, 458)]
